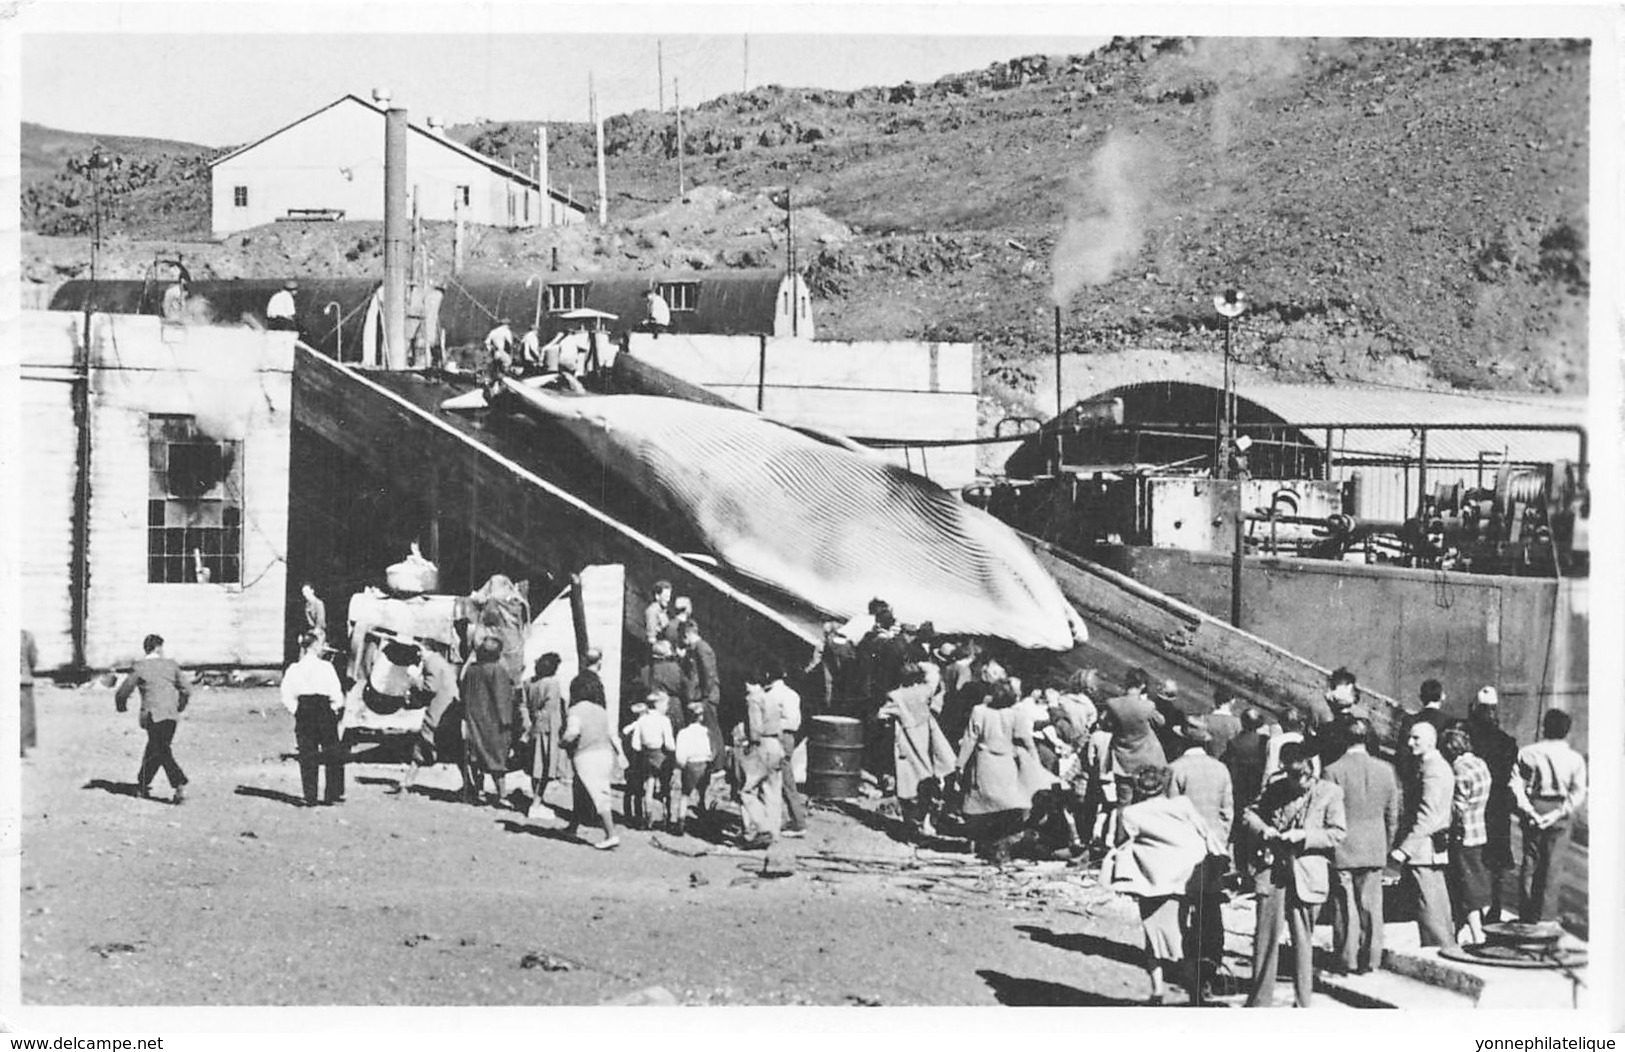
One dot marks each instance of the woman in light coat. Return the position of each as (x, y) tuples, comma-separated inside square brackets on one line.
[(1163, 843), (995, 804), (593, 747), (921, 750)]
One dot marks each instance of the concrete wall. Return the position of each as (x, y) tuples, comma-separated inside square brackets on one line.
[(237, 383), (894, 389), (1397, 627), (335, 159)]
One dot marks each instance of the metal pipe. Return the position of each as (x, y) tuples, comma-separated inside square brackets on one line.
[(541, 287), (1422, 472), (79, 570), (395, 238), (1057, 366), (1235, 562), (761, 376)]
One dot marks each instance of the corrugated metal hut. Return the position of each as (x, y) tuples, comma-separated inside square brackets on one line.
[(709, 302), (336, 316)]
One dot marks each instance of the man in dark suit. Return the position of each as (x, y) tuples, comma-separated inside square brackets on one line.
[(1245, 758), (1422, 845), (701, 683), (1298, 821), (1500, 752), (1223, 724), (1207, 782), (1432, 698), (1371, 803)]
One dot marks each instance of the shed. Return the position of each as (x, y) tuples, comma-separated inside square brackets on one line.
[(759, 302), (1379, 435)]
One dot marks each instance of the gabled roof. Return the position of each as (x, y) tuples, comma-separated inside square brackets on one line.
[(440, 140)]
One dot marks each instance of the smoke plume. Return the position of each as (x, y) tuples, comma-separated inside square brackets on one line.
[(1244, 70), (1109, 214), (227, 388)]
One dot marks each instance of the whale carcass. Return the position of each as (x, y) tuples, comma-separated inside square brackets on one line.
[(833, 527)]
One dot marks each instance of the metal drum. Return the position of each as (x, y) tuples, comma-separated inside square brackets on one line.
[(834, 758)]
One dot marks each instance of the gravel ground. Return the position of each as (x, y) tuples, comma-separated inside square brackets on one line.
[(239, 898)]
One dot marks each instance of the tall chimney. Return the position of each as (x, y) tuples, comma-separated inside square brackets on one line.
[(395, 238)]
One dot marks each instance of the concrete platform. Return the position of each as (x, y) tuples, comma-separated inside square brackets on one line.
[(1417, 977)]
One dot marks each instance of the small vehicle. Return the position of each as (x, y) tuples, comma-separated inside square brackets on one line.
[(386, 664)]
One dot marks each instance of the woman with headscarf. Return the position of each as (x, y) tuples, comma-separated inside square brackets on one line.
[(1164, 841), (489, 716), (593, 747), (994, 803)]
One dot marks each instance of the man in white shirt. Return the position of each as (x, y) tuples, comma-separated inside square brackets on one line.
[(279, 312), (789, 702), (311, 692), (694, 757), (530, 349), (652, 745), (659, 319), (1548, 789)]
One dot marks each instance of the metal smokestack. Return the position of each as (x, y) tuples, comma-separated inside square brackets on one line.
[(395, 238), (1057, 363)]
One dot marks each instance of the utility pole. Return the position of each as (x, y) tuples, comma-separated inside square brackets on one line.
[(1230, 304), (677, 101), (790, 261), (745, 83), (660, 74), (598, 126)]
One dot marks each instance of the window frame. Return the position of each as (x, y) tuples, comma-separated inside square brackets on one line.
[(239, 196), (687, 303), (565, 296), (184, 528)]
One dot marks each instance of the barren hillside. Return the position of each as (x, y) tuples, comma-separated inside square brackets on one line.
[(1393, 208)]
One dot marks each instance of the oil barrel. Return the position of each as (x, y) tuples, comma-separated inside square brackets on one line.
[(834, 758)]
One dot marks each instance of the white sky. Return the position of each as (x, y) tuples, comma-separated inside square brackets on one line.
[(172, 71)]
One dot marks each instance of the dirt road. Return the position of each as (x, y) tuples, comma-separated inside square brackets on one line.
[(239, 897)]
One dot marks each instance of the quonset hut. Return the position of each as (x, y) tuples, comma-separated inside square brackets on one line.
[(710, 302), (337, 316)]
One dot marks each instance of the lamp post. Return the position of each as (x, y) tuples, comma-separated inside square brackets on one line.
[(1230, 304)]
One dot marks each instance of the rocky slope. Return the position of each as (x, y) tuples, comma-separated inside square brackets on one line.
[(1397, 210)]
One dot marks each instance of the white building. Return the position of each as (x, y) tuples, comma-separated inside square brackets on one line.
[(180, 526), (330, 164)]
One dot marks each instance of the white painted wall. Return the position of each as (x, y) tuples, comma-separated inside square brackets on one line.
[(893, 389), (335, 159), (238, 383)]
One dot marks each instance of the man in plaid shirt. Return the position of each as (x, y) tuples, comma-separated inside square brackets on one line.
[(1467, 876)]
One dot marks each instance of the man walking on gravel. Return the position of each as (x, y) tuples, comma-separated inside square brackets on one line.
[(165, 690)]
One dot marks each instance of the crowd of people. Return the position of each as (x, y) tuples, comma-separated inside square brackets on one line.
[(1180, 803)]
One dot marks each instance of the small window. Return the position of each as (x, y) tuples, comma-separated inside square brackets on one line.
[(239, 196), (461, 193), (566, 296), (194, 504), (681, 295)]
